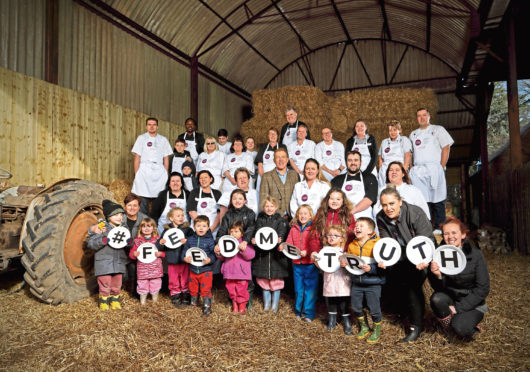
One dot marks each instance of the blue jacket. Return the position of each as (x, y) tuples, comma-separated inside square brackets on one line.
[(207, 244)]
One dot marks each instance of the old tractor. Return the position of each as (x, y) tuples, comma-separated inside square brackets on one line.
[(45, 229)]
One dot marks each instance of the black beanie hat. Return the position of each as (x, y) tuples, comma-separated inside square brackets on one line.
[(110, 208), (190, 164)]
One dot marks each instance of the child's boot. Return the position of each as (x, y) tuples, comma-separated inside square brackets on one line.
[(207, 309), (194, 300), (275, 301), (186, 298), (154, 296), (242, 307), (235, 307), (249, 303), (176, 299), (332, 321), (346, 323), (376, 334), (266, 300), (143, 299), (365, 331), (103, 303), (115, 302)]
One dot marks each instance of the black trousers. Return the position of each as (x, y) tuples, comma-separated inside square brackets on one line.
[(405, 283), (336, 304), (463, 324), (437, 213)]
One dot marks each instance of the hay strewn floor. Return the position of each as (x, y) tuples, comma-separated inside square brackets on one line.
[(77, 337)]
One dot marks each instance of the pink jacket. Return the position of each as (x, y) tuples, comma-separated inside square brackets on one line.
[(151, 270), (239, 266)]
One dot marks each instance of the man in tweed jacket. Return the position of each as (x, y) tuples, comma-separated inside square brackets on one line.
[(279, 182)]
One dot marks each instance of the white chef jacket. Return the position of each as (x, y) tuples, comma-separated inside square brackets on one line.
[(332, 156), (300, 153), (302, 194), (214, 163)]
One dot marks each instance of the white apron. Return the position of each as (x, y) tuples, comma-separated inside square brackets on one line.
[(390, 151), (354, 191), (171, 203), (192, 148), (234, 161), (268, 163), (290, 135), (306, 195), (188, 183), (365, 154), (207, 206), (214, 163), (151, 177), (176, 165), (330, 160)]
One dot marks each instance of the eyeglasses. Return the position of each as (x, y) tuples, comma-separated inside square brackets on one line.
[(333, 236), (210, 143)]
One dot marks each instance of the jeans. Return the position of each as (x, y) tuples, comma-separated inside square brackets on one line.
[(372, 294), (305, 288), (463, 324)]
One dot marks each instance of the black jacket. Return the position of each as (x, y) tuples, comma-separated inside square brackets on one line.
[(243, 214), (271, 264), (286, 125), (173, 256), (199, 140), (470, 288)]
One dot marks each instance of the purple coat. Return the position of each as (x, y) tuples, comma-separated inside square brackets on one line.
[(239, 266)]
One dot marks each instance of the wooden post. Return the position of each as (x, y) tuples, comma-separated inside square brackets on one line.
[(51, 43), (513, 98), (464, 191), (482, 122), (194, 88)]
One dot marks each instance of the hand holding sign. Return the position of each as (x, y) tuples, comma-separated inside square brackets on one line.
[(266, 238), (147, 253), (387, 251), (118, 237), (173, 237), (450, 259), (354, 263), (228, 246), (328, 259), (420, 250), (196, 255), (291, 251)]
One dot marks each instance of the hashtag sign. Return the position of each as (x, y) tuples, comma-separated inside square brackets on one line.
[(118, 237)]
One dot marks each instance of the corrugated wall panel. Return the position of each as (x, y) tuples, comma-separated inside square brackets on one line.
[(22, 36), (101, 60)]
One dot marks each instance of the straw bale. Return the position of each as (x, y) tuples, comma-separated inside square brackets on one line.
[(376, 106), (120, 188), (35, 336)]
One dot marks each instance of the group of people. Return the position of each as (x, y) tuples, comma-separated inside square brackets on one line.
[(313, 196)]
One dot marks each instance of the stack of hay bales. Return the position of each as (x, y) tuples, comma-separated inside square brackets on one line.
[(377, 107), (492, 239), (120, 188)]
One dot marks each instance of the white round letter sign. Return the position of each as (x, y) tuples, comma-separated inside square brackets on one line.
[(173, 237), (266, 238), (118, 237), (354, 263), (291, 251), (197, 255), (147, 253), (452, 261), (420, 250), (228, 246), (328, 259), (387, 251)]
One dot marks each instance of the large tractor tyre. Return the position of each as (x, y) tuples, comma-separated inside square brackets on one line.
[(58, 267)]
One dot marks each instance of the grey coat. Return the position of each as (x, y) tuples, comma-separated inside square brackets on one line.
[(107, 260)]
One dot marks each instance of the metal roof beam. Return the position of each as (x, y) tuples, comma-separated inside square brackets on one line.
[(390, 84), (386, 28), (338, 66), (399, 64), (239, 35), (339, 17), (428, 35), (300, 38)]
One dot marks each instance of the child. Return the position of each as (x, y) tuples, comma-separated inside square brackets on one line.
[(270, 267), (149, 275), (201, 276), (109, 263), (305, 273), (236, 270), (188, 173), (222, 139), (368, 285), (178, 271), (180, 155), (337, 285)]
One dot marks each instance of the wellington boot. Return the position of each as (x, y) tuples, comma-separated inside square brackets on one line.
[(103, 303), (154, 296), (365, 331), (332, 321), (266, 300), (414, 334), (376, 334), (346, 324), (207, 309), (249, 303), (275, 301), (186, 298), (242, 307), (176, 299), (194, 300), (115, 302), (235, 307), (143, 299)]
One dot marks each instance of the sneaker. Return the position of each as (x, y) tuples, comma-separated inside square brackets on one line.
[(307, 320)]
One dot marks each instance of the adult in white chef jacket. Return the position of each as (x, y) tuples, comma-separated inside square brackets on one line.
[(365, 144), (265, 157), (194, 140), (174, 196), (238, 158), (311, 190), (243, 178), (151, 162), (394, 148), (223, 143), (330, 154), (204, 201), (289, 129), (397, 175), (213, 160), (301, 150), (250, 144), (430, 148), (360, 187)]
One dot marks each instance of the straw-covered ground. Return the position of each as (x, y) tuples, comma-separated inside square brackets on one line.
[(78, 337)]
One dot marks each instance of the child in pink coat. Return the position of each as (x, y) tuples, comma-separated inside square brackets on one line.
[(237, 270)]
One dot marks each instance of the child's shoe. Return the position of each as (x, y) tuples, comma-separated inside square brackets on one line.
[(275, 301), (176, 299), (115, 302), (346, 323), (194, 300), (143, 299), (207, 309), (365, 331), (332, 321), (266, 300), (376, 334), (242, 307), (103, 303), (186, 298), (154, 296)]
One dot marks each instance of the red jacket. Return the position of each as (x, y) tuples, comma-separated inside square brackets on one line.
[(305, 240), (151, 270), (333, 219)]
